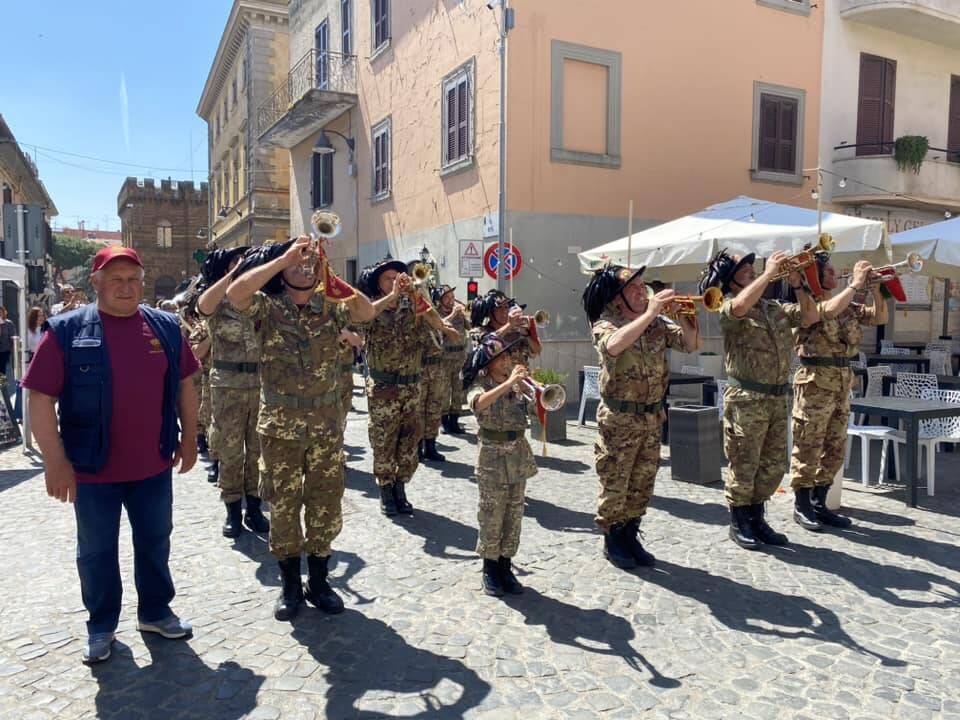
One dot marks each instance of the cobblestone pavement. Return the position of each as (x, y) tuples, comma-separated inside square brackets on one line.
[(856, 624)]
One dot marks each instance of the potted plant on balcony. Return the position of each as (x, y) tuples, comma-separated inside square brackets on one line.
[(909, 151), (557, 420)]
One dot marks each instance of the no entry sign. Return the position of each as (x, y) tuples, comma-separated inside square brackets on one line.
[(511, 265)]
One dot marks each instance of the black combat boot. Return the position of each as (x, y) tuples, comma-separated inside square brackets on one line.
[(741, 527), (388, 504), (291, 589), (317, 590), (455, 428), (632, 542), (233, 525), (213, 472), (491, 578), (203, 448), (761, 530), (420, 451), (508, 580), (430, 451), (254, 518), (400, 496), (803, 512), (818, 501), (445, 424), (615, 549)]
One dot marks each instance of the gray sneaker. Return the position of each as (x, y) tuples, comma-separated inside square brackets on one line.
[(170, 627), (97, 648)]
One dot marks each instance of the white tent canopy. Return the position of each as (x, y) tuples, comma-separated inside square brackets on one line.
[(938, 244), (678, 250)]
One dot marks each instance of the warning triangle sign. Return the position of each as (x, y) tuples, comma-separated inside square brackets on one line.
[(471, 250)]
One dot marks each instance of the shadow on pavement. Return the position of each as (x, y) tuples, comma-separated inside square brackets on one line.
[(363, 654), (573, 467), (594, 630), (747, 609), (557, 517), (176, 683), (706, 513), (944, 554), (12, 478)]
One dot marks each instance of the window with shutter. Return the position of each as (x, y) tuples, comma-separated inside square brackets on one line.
[(457, 108), (321, 181), (381, 160), (778, 133), (346, 27), (321, 39), (381, 23), (953, 124), (875, 106)]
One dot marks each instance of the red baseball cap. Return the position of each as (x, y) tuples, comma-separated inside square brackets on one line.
[(114, 252)]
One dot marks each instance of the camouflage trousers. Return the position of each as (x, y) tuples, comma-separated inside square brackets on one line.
[(205, 410), (233, 431), (819, 435), (627, 454), (755, 443), (433, 398), (346, 396), (303, 476), (499, 515), (458, 396), (395, 429)]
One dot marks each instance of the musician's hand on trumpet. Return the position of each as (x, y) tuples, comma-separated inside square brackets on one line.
[(862, 272), (772, 268), (659, 302), (518, 375), (298, 252)]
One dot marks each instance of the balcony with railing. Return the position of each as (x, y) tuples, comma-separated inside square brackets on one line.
[(935, 21), (868, 174), (319, 88)]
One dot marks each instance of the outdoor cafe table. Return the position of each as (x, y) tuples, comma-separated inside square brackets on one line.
[(911, 411), (921, 361), (918, 346)]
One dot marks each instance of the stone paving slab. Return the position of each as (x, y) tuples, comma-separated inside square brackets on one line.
[(857, 624)]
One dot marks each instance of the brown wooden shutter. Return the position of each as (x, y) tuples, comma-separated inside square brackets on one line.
[(768, 133), (953, 124), (463, 113), (451, 124), (787, 135), (875, 108)]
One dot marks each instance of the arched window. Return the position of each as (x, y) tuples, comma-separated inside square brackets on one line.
[(164, 234), (164, 288)]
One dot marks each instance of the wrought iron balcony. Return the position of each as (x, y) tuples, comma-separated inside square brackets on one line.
[(935, 21), (319, 88)]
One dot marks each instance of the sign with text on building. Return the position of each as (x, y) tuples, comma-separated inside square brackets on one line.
[(471, 258), (491, 225), (511, 265)]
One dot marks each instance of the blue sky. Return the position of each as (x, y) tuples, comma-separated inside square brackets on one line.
[(65, 69)]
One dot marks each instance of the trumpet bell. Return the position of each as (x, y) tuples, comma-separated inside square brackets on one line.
[(420, 272), (326, 224), (541, 317), (713, 299), (914, 262), (826, 243), (553, 397)]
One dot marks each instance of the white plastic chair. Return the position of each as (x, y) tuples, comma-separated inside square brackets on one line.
[(875, 377), (912, 385), (899, 351), (939, 362), (887, 348), (591, 387), (866, 433), (692, 370), (931, 433)]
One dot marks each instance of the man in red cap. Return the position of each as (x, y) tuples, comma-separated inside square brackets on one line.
[(118, 374)]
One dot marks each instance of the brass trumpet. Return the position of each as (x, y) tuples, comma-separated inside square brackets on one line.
[(805, 258), (420, 273), (541, 318), (913, 264), (711, 300), (552, 397), (326, 224)]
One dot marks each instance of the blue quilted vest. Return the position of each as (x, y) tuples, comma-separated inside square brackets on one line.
[(86, 402)]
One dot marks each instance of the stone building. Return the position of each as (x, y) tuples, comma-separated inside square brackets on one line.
[(249, 182), (165, 221)]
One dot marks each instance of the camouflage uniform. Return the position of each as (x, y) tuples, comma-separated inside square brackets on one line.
[(454, 355), (757, 350), (345, 359), (201, 381), (395, 339), (299, 422), (821, 408), (503, 466), (235, 400), (630, 416), (434, 387)]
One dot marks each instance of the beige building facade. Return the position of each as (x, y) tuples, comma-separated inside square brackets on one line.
[(249, 182), (623, 107), (894, 70)]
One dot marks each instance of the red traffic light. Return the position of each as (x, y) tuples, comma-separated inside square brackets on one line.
[(472, 289)]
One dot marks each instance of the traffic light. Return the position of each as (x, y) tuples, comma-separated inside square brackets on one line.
[(472, 287)]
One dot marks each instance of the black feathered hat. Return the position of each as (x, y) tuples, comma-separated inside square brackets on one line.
[(261, 255), (217, 263), (438, 292), (482, 309), (369, 280), (719, 273), (489, 349), (606, 283)]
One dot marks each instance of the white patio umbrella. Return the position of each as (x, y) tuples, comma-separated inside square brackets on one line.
[(938, 244), (678, 250)]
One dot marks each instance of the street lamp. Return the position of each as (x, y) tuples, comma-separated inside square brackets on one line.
[(425, 255), (323, 146)]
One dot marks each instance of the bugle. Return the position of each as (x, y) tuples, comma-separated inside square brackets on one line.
[(805, 258), (913, 264), (551, 397), (711, 300)]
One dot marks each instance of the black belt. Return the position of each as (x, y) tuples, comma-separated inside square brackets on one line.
[(776, 390), (243, 367), (386, 378), (499, 435), (625, 406), (840, 362), (431, 360)]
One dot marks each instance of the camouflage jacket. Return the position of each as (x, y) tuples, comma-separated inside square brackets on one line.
[(198, 334), (395, 341), (833, 337), (640, 373), (512, 457), (234, 339), (759, 346), (299, 364), (456, 350)]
